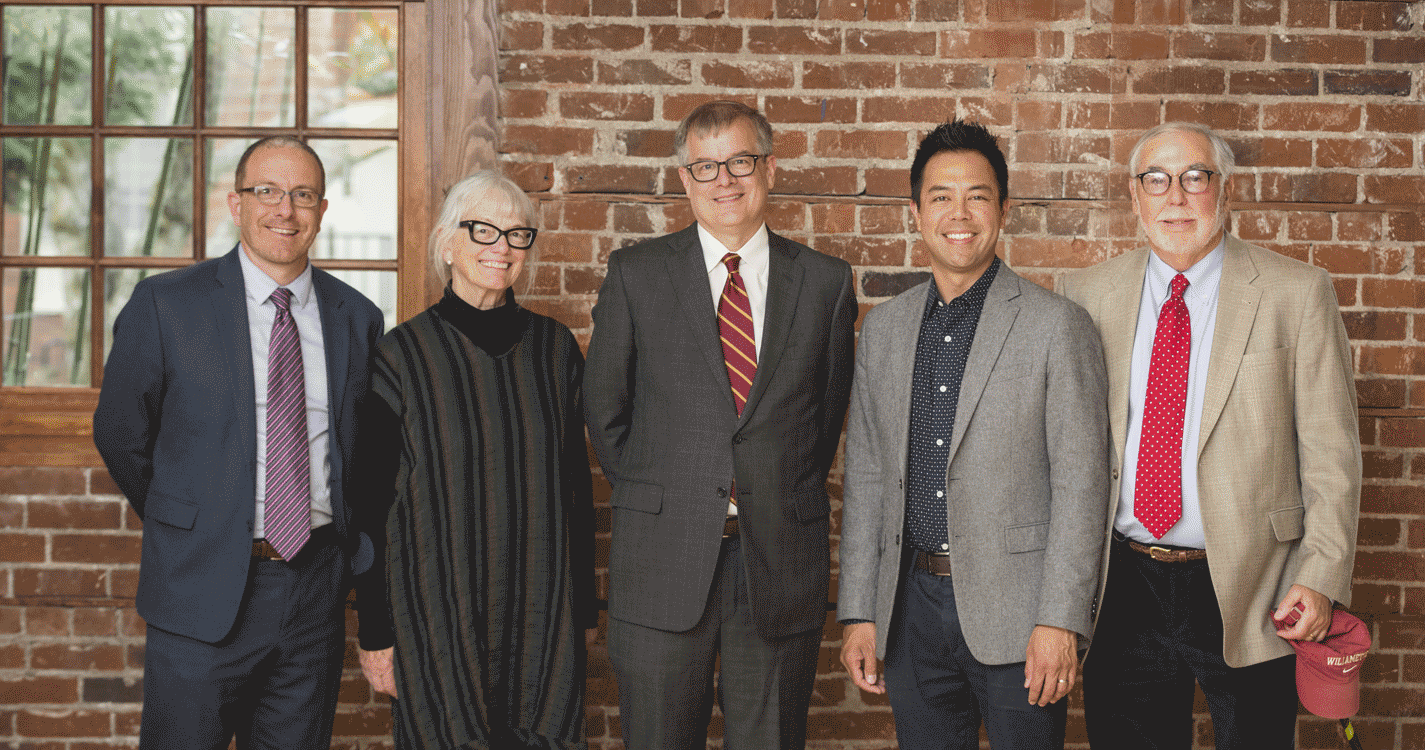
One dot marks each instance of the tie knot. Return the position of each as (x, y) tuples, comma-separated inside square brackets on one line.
[(1179, 285), (282, 298), (732, 260)]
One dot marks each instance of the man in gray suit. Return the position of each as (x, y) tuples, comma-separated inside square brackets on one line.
[(978, 431), (716, 383)]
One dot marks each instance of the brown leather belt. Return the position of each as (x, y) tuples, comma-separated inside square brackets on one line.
[(729, 527), (1164, 554), (938, 565), (321, 537)]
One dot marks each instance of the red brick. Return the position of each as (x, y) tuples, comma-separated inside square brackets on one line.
[(983, 43), (32, 690), (817, 181), (989, 112), (899, 109), (1218, 46), (699, 38), (1344, 118), (1260, 14), (646, 72), (700, 9), (1037, 115), (74, 514), (1252, 151), (100, 621), (796, 8), (861, 144), (586, 36), (1390, 566), (1309, 14), (1367, 82), (31, 480), (1282, 82), (1190, 80), (544, 140), (745, 74), (92, 548), (545, 69), (58, 582), (1364, 153), (794, 40), (619, 8), (1402, 433), (864, 251), (842, 10), (72, 723), (1357, 259), (1387, 394), (1395, 118), (606, 106), (937, 10), (1057, 148), (516, 35), (1256, 226), (1211, 12), (1308, 188), (610, 179), (785, 110), (854, 75), (1216, 115), (1373, 16), (1067, 79), (888, 10), (1391, 360), (23, 547), (1121, 45), (1375, 598), (833, 218), (944, 76), (883, 219), (70, 656), (891, 183), (890, 42), (656, 143), (1407, 227), (1318, 49), (1403, 50), (1395, 189), (1378, 532), (522, 103)]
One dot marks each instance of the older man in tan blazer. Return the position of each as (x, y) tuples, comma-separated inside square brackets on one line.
[(1233, 415)]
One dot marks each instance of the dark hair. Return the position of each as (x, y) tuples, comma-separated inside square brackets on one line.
[(280, 141), (958, 135), (713, 117)]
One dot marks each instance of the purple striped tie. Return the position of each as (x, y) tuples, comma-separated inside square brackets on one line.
[(287, 510)]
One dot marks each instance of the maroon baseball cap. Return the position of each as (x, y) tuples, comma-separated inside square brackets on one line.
[(1328, 674)]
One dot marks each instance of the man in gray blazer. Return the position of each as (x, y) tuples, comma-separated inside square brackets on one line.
[(979, 434), (716, 383)]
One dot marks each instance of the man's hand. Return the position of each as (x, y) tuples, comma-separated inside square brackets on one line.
[(1051, 664), (1315, 619), (379, 669), (858, 655)]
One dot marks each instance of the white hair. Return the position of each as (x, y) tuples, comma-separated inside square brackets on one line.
[(463, 196), (1221, 150)]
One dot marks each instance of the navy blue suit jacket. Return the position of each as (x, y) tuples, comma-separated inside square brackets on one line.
[(177, 428)]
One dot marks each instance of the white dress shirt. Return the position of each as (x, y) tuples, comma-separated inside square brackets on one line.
[(306, 314), (1204, 278)]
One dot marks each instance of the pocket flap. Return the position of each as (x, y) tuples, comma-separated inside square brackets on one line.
[(170, 510), (1026, 538), (640, 496), (1288, 523)]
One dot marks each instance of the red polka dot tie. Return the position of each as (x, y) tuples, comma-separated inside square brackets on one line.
[(734, 327), (1158, 488)]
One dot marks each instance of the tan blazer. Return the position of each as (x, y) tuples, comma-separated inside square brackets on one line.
[(1279, 456)]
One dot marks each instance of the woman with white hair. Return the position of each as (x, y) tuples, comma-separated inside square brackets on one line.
[(475, 470)]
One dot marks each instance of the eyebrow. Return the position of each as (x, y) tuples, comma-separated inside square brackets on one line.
[(941, 188), (1191, 167)]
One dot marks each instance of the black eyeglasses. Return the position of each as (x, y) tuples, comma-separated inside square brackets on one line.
[(519, 238), (738, 166), (271, 195), (1193, 181)]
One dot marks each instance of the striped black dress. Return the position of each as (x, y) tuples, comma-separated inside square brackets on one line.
[(475, 420)]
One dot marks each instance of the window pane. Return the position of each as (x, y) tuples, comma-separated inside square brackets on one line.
[(119, 285), (47, 193), (251, 76), (148, 66), (362, 185), (46, 326), (222, 156), (352, 79), (148, 196), (40, 90), (378, 286)]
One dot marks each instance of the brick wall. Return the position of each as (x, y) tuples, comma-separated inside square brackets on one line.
[(1323, 101)]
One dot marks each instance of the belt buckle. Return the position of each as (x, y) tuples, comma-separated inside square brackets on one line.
[(1162, 554)]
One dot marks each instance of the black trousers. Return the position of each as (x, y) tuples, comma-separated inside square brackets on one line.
[(272, 681), (1160, 631), (940, 693)]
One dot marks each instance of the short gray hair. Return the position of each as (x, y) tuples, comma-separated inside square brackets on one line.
[(1221, 150), (462, 197), (713, 117)]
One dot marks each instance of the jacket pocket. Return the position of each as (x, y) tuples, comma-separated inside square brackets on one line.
[(644, 497), (1288, 523), (1026, 538), (170, 510)]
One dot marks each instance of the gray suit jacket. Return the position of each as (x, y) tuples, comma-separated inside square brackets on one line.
[(663, 423), (1027, 481), (1279, 454)]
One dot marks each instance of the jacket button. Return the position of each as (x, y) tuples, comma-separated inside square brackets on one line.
[(722, 492), (1115, 474)]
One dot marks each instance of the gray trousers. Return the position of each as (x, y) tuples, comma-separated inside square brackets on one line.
[(666, 679)]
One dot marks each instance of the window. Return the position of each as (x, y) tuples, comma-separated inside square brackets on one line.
[(121, 127)]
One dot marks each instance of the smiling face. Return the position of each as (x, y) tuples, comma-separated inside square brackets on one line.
[(960, 217), (277, 238), (1182, 228), (731, 208), (480, 274)]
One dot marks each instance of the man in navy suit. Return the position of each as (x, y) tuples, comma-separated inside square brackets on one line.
[(247, 539)]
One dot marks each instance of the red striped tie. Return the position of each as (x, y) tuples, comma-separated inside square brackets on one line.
[(287, 504), (1158, 486), (734, 327)]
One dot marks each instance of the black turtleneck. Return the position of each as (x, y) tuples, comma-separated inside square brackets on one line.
[(496, 330)]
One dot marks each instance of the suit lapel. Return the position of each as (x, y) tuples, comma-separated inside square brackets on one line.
[(996, 319), (900, 356), (1118, 325), (336, 341), (784, 285), (229, 301), (1237, 308), (689, 279)]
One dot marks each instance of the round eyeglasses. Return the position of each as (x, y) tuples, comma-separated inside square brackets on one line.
[(271, 195), (738, 166), (1193, 181), (519, 238)]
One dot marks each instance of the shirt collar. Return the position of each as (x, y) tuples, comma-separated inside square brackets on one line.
[(1160, 274), (977, 291), (754, 254), (259, 286)]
